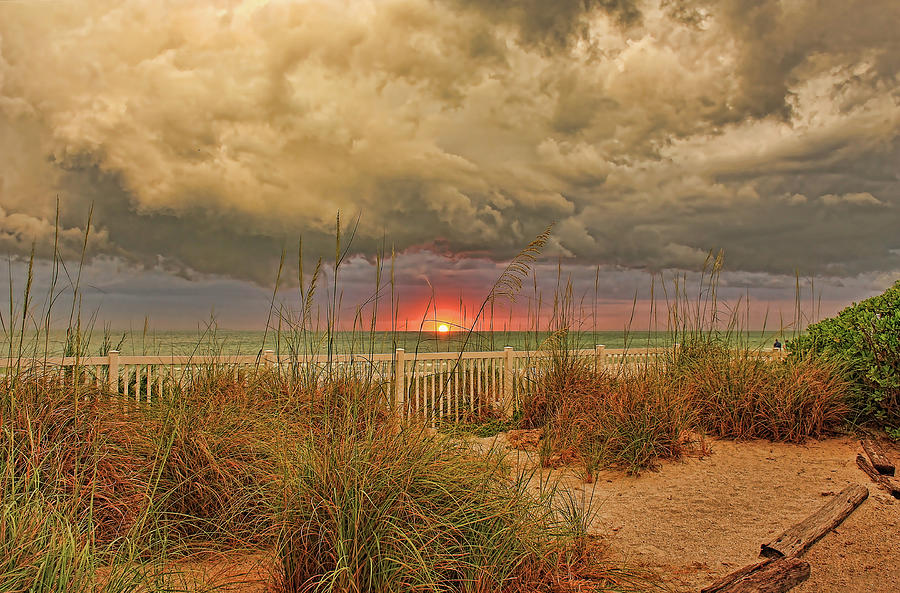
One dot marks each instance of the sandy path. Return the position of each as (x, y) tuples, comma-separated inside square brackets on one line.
[(698, 519)]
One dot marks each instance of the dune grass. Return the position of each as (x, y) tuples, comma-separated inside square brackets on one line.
[(40, 550), (711, 382), (736, 395), (376, 507), (634, 419)]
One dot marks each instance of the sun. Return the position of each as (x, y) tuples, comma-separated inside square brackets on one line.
[(443, 329)]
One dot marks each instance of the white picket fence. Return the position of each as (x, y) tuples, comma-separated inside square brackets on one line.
[(435, 386)]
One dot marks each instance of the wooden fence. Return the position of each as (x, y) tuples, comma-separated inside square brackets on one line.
[(435, 386)]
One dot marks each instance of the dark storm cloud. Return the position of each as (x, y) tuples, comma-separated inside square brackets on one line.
[(552, 25), (211, 135), (781, 43)]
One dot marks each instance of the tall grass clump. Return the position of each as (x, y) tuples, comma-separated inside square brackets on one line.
[(595, 415), (77, 451), (559, 377), (627, 422), (43, 551), (215, 477), (739, 395), (40, 549), (735, 389), (70, 500), (711, 380), (375, 507), (603, 418)]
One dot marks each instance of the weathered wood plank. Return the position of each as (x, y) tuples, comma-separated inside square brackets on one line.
[(889, 484), (769, 576), (879, 460), (801, 536), (736, 575)]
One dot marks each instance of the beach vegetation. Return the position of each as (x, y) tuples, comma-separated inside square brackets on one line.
[(864, 340), (314, 469)]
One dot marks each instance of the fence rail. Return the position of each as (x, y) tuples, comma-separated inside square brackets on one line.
[(434, 386)]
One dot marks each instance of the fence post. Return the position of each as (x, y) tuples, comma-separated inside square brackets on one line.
[(599, 357), (113, 368), (508, 403), (268, 358), (400, 383)]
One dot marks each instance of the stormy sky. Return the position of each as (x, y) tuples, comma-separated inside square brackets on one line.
[(210, 136)]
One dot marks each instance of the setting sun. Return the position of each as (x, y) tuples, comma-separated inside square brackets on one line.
[(443, 329)]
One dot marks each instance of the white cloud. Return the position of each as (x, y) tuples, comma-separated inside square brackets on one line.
[(857, 199)]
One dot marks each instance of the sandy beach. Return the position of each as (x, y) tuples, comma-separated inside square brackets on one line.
[(706, 515)]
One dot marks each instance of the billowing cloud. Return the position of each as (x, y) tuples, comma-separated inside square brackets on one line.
[(209, 135)]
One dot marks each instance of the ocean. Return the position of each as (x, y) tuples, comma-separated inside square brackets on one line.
[(233, 342)]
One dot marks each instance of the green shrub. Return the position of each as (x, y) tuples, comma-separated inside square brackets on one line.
[(865, 339)]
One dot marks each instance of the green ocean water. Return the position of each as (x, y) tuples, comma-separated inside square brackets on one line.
[(232, 342)]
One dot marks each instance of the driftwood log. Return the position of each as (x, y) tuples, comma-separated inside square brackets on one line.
[(879, 460), (885, 482), (769, 576), (801, 536)]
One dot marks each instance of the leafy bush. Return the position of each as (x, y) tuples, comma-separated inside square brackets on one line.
[(865, 339)]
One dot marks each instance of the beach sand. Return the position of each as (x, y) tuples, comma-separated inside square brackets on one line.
[(702, 517)]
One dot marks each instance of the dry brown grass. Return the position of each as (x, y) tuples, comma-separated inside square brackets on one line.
[(745, 397), (77, 450), (175, 471), (633, 419), (602, 420)]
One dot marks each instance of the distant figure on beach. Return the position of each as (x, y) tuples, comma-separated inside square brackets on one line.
[(777, 345)]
